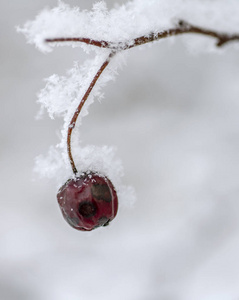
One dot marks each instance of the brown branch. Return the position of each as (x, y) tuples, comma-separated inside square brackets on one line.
[(102, 44), (182, 28), (78, 110)]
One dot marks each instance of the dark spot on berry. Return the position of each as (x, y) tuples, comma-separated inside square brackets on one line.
[(101, 192), (87, 209)]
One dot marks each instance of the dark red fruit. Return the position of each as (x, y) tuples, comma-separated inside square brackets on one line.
[(88, 201)]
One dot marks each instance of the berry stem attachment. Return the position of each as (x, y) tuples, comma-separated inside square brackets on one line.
[(71, 126)]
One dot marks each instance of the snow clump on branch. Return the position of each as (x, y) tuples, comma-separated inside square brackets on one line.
[(126, 22)]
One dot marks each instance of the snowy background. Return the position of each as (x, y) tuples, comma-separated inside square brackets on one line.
[(173, 114)]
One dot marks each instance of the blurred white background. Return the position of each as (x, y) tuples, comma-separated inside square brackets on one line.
[(174, 117)]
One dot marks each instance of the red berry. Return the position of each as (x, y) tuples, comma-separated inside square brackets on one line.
[(88, 201)]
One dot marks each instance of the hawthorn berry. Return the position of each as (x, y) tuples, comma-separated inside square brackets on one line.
[(88, 201)]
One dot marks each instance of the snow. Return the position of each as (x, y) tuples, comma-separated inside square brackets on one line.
[(173, 118), (61, 97), (133, 19)]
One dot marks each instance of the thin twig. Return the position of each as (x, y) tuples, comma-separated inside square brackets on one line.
[(78, 110), (102, 44), (182, 28)]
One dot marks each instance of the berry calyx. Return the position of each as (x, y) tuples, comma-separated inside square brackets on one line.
[(88, 201)]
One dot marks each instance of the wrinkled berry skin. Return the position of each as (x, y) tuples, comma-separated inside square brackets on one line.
[(88, 201)]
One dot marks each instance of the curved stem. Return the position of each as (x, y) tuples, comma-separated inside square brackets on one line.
[(181, 28), (78, 110)]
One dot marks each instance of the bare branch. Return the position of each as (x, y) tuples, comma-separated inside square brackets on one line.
[(102, 44)]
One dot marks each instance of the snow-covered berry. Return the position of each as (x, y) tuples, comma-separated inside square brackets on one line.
[(88, 201)]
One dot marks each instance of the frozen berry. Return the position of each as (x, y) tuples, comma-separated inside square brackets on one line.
[(88, 201)]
